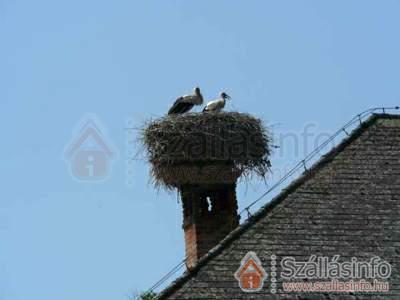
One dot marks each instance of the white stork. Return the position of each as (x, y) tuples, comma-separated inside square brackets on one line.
[(217, 105), (185, 103)]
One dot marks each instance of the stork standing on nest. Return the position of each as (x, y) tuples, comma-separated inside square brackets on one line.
[(185, 103), (217, 105)]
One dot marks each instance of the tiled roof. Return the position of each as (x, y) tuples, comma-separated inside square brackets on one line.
[(347, 204)]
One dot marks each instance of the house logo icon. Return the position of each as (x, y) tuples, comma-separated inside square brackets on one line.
[(251, 274), (89, 154)]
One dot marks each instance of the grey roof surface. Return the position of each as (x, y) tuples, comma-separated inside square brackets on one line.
[(347, 204)]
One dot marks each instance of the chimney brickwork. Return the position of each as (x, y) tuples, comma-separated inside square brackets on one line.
[(209, 214)]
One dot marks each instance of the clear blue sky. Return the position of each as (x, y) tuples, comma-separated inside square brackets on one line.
[(289, 62)]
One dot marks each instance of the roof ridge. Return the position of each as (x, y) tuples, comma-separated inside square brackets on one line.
[(266, 208)]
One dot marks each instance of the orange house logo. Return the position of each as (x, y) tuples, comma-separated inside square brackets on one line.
[(89, 154), (251, 274)]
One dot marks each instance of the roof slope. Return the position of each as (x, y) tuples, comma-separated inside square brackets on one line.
[(347, 204)]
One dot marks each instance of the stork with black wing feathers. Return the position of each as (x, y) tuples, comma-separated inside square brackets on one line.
[(185, 103)]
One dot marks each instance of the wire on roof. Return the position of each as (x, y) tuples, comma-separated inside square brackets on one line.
[(312, 154), (166, 277)]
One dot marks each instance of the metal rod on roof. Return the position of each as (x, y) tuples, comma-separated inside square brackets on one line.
[(304, 165), (248, 212), (359, 118)]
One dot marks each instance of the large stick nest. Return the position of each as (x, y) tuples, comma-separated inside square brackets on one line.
[(206, 147)]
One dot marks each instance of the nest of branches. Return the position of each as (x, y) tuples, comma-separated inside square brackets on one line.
[(206, 148)]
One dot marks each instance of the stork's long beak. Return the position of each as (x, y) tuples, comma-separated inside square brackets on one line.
[(227, 96)]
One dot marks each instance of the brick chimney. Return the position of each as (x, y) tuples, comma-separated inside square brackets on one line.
[(209, 214)]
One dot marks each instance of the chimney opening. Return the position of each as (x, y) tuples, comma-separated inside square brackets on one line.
[(209, 204)]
